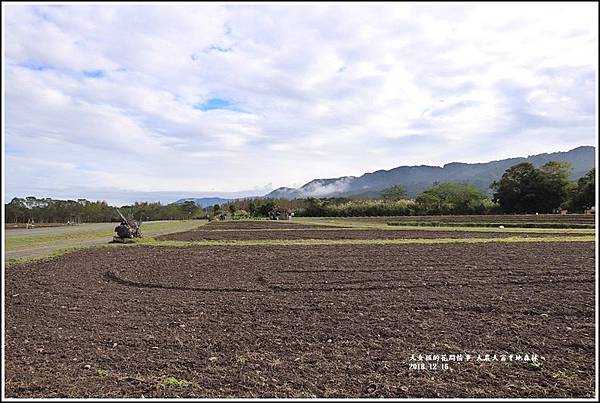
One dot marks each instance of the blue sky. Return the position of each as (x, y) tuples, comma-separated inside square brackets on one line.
[(216, 103), (156, 102)]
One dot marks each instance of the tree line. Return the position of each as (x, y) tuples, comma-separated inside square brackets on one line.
[(84, 211)]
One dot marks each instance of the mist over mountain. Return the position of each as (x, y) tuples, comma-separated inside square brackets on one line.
[(203, 201), (419, 178)]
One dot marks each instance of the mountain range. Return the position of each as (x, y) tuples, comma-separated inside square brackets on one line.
[(416, 179)]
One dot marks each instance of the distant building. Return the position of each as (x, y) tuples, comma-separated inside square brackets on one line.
[(280, 214), (218, 217)]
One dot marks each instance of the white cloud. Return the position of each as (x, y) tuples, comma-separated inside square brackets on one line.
[(108, 95)]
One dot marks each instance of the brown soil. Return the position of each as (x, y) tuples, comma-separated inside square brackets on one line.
[(300, 321), (201, 235), (226, 225)]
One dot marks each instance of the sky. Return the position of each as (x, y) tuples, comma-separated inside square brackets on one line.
[(159, 102)]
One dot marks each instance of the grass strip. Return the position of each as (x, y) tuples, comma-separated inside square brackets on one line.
[(268, 242)]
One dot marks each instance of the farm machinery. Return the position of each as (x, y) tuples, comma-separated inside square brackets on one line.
[(128, 230)]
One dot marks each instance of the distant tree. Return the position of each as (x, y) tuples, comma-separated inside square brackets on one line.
[(241, 214), (264, 209), (232, 209), (452, 198), (583, 195), (252, 208), (16, 211), (555, 186), (395, 192), (314, 207), (525, 189), (190, 207)]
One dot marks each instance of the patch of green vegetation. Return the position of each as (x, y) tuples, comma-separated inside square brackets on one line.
[(330, 392), (305, 392), (562, 375), (450, 347), (102, 373), (536, 365), (174, 382)]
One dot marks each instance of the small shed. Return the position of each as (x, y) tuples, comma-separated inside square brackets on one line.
[(217, 217), (280, 214)]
